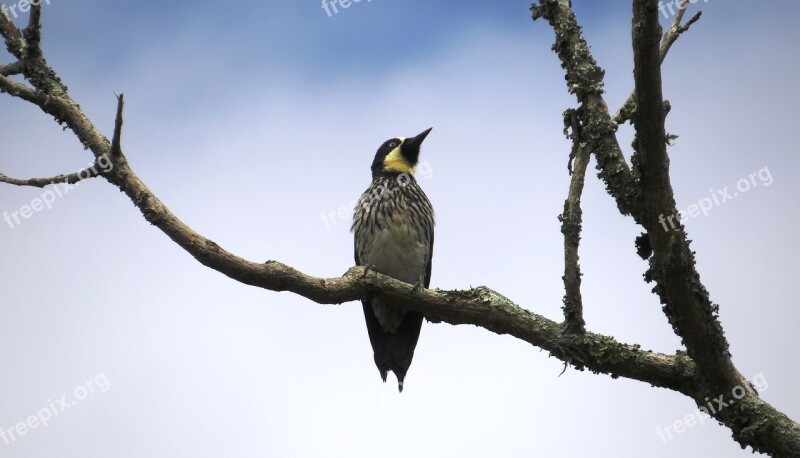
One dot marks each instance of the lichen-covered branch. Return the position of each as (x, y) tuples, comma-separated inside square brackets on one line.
[(585, 80), (626, 111), (571, 221), (14, 68), (72, 178), (11, 34), (686, 301), (672, 266), (646, 193)]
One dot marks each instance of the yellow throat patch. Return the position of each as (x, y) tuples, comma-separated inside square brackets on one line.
[(396, 162)]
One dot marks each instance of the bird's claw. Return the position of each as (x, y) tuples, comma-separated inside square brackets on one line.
[(367, 268), (571, 353), (417, 286)]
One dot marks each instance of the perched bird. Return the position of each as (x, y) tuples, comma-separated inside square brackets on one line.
[(393, 228)]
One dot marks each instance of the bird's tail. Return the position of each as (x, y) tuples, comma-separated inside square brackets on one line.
[(393, 351)]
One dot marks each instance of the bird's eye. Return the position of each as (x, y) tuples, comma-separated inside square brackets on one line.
[(393, 144)]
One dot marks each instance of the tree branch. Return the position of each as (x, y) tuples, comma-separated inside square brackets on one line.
[(62, 108), (687, 305), (571, 221), (72, 178), (116, 147), (15, 43), (14, 68), (35, 25), (676, 29), (585, 80), (25, 45), (685, 299), (21, 91), (672, 266), (627, 109)]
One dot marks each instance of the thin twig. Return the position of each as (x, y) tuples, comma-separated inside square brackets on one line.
[(571, 221), (14, 68), (585, 79), (676, 29), (35, 19), (627, 109), (33, 33), (72, 178), (116, 148), (11, 34), (20, 90)]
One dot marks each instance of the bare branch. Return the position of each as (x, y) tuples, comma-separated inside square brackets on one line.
[(752, 421), (72, 178), (33, 33), (62, 108), (685, 300), (116, 148), (676, 29), (25, 45), (672, 265), (15, 43), (571, 221), (585, 80), (22, 91), (35, 19), (14, 68)]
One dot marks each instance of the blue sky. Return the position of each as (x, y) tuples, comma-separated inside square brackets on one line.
[(252, 121)]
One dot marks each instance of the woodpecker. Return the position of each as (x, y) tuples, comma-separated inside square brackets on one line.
[(393, 232)]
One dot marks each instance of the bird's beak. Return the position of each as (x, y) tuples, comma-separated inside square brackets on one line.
[(415, 142)]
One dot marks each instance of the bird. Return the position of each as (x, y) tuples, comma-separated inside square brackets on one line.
[(393, 234)]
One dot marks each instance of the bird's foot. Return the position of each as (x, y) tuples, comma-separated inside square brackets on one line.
[(571, 352), (367, 268), (417, 286)]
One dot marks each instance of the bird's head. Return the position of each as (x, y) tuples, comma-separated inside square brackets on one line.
[(398, 155)]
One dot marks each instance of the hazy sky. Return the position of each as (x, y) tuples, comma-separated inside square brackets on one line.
[(255, 122)]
